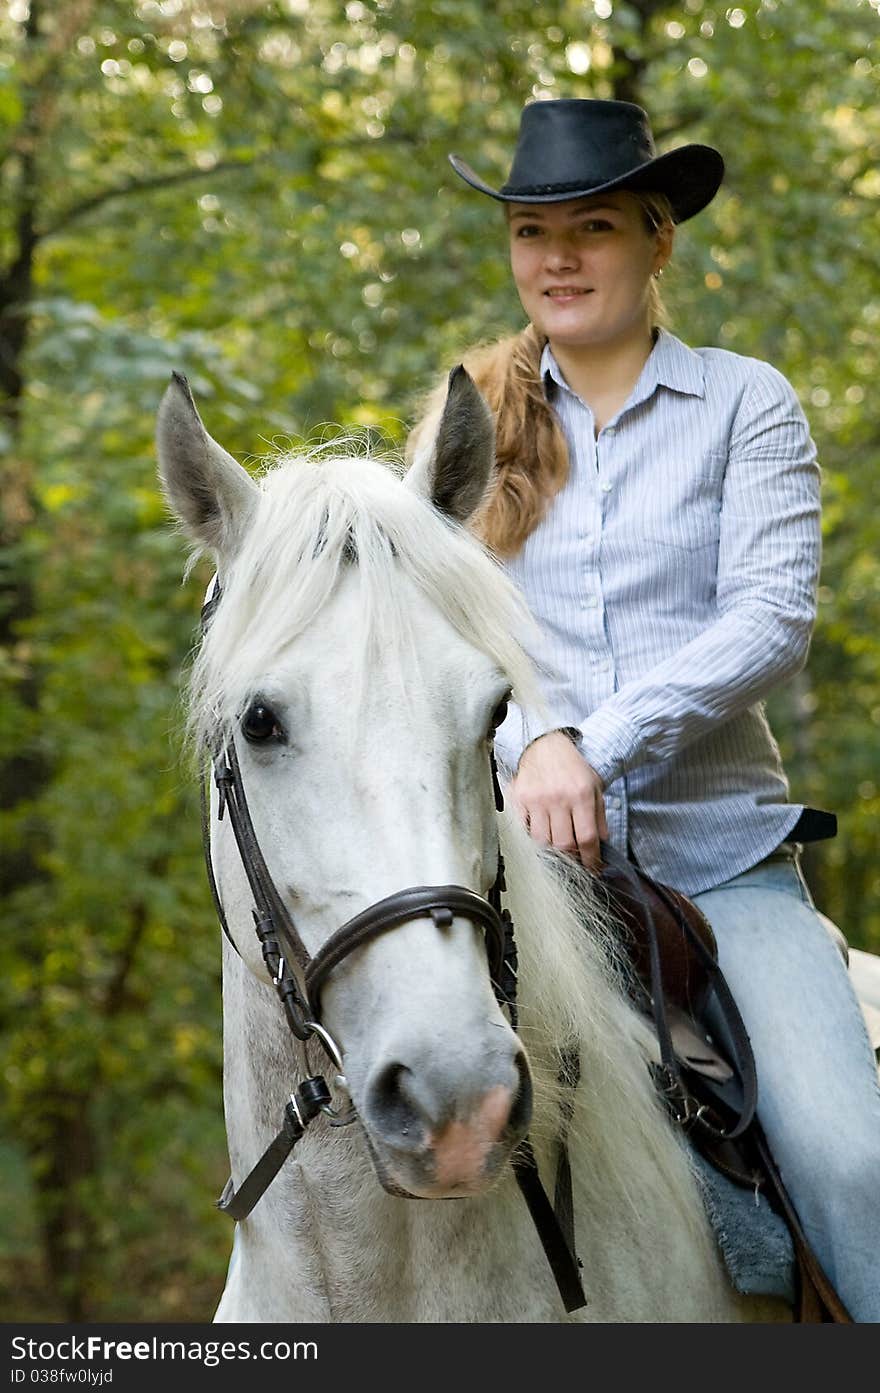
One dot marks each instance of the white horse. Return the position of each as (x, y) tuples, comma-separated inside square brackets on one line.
[(358, 657)]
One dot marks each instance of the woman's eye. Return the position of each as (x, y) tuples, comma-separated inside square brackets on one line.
[(597, 225), (260, 724), (528, 230)]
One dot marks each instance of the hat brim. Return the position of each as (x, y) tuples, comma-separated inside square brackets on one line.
[(690, 177)]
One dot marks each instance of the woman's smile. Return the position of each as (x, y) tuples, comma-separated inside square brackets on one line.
[(565, 293)]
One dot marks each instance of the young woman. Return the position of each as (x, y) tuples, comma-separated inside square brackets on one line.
[(659, 508)]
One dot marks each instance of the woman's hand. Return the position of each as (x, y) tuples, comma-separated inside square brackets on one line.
[(559, 797)]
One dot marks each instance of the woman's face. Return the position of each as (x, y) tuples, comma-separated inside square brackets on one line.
[(583, 268)]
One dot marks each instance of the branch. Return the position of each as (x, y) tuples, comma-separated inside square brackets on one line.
[(135, 186), (684, 119), (164, 181)]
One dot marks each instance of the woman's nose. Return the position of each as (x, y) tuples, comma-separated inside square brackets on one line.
[(562, 254)]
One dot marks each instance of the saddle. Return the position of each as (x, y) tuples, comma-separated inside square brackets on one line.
[(706, 1076)]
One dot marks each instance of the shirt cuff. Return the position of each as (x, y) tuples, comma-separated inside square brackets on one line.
[(520, 729), (609, 742)]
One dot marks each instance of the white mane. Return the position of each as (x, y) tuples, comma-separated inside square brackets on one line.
[(572, 992), (315, 519)]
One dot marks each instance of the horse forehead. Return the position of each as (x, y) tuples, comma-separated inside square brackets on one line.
[(430, 643)]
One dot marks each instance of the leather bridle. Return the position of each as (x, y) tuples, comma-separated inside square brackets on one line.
[(282, 945)]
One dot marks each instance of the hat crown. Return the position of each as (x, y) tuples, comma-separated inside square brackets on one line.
[(572, 147), (579, 144)]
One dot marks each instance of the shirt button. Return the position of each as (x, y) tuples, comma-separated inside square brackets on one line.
[(590, 601), (606, 488), (610, 430), (615, 801)]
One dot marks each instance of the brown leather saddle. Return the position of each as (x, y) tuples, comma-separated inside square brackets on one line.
[(705, 1075)]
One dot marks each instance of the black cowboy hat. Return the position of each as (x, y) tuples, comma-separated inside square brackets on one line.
[(571, 148)]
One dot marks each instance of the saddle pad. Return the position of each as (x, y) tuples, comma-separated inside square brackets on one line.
[(754, 1240)]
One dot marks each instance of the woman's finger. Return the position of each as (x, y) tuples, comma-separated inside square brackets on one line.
[(562, 833), (538, 823), (587, 834)]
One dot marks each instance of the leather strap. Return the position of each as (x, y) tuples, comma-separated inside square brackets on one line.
[(227, 776), (667, 1075), (813, 825), (560, 1255), (311, 1096), (563, 1198), (816, 1299), (206, 848), (239, 1203), (441, 902)]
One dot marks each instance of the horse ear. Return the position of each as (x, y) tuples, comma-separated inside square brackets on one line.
[(455, 472), (207, 490)]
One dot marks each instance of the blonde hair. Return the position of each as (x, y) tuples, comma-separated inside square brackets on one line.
[(657, 213), (531, 454)]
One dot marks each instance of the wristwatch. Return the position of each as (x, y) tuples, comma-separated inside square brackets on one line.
[(572, 732)]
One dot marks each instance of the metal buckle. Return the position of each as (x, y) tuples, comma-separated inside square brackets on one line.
[(711, 1126), (329, 1044), (337, 1117), (294, 1102)]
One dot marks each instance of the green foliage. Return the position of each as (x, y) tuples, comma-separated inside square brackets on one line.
[(258, 194)]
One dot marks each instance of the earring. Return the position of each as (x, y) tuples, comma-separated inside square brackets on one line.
[(658, 273)]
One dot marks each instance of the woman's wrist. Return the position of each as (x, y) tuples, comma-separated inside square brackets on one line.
[(544, 747), (571, 733)]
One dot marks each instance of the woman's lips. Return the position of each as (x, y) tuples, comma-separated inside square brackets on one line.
[(566, 292)]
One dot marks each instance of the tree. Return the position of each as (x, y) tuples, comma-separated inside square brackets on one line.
[(258, 194)]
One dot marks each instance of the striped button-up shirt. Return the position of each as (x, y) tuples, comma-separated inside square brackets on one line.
[(673, 579)]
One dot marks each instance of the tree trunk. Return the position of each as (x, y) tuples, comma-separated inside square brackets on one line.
[(62, 1146), (631, 55), (69, 1154), (24, 775)]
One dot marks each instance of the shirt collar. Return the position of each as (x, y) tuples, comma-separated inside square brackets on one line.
[(550, 372), (671, 364), (676, 366)]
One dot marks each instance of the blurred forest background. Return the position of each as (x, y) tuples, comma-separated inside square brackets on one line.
[(258, 194)]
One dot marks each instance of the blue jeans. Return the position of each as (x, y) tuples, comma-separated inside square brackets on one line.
[(818, 1094)]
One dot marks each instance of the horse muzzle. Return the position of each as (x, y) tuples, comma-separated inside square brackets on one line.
[(437, 1132)]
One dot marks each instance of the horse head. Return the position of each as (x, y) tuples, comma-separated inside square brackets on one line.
[(359, 659)]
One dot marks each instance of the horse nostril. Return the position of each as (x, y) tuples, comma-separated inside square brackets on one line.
[(521, 1109), (389, 1107)]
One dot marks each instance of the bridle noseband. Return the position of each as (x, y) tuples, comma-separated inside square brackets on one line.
[(282, 945), (441, 902)]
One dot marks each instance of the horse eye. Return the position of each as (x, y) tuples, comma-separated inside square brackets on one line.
[(498, 715), (260, 724)]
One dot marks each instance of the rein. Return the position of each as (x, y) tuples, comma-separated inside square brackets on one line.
[(281, 944), (738, 1098)]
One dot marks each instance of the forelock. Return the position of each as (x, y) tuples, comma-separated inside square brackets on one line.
[(318, 517)]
